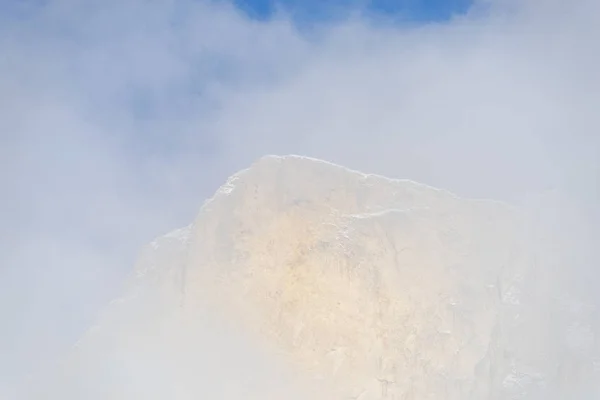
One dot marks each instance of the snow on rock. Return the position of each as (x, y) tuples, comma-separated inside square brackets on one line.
[(360, 286)]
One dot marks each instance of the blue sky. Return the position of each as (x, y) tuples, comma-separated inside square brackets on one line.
[(310, 10)]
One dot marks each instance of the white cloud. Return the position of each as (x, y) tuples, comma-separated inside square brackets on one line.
[(118, 118)]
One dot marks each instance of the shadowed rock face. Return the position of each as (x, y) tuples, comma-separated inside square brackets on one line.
[(302, 274)]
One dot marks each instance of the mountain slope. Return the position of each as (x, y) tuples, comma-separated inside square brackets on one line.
[(341, 284)]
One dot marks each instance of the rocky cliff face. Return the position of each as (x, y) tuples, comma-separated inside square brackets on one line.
[(353, 286)]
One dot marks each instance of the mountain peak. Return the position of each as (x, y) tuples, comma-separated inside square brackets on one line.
[(359, 285)]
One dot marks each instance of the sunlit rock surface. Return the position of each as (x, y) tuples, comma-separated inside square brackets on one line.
[(300, 278)]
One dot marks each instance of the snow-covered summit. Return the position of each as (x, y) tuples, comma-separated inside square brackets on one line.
[(376, 288)]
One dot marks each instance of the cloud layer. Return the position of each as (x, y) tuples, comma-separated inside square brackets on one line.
[(118, 118)]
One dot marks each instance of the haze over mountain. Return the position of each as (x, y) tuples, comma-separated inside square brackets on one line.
[(119, 117), (303, 279)]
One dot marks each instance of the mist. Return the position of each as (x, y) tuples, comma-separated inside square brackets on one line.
[(118, 118)]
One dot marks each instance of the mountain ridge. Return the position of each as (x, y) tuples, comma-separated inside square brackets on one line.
[(376, 288)]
